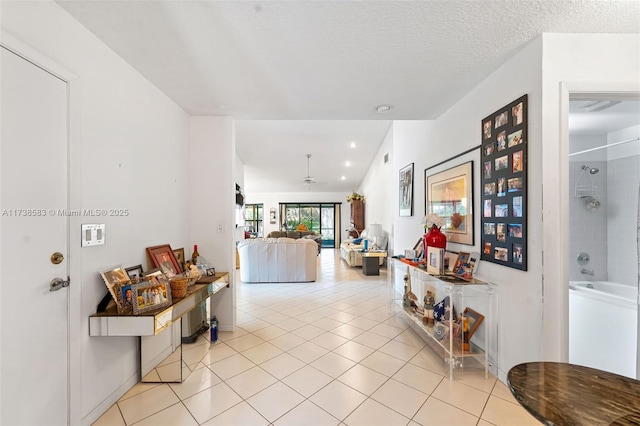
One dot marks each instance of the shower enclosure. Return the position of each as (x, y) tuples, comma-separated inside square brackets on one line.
[(604, 178)]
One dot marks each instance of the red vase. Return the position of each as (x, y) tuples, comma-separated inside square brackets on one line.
[(434, 238)]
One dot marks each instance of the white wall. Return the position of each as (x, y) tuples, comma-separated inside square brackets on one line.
[(412, 144), (571, 63), (623, 179), (212, 157), (378, 187), (132, 154), (427, 143)]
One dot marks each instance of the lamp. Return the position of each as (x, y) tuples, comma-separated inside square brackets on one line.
[(375, 232), (352, 228)]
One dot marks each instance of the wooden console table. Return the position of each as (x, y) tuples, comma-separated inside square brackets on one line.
[(153, 323)]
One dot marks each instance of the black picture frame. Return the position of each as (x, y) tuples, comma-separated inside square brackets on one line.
[(504, 181), (406, 191)]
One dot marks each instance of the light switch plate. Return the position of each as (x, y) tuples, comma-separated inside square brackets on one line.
[(92, 234)]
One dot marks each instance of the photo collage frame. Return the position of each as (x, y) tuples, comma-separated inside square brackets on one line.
[(504, 186)]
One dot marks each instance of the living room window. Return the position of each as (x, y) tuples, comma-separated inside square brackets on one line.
[(318, 217), (254, 219)]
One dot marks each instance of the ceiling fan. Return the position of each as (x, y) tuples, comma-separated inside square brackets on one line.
[(308, 179)]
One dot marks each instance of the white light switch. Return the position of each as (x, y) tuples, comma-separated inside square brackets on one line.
[(92, 234), (220, 227)]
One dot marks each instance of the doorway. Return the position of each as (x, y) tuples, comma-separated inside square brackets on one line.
[(604, 183)]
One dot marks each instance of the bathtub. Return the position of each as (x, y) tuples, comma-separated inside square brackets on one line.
[(603, 326)]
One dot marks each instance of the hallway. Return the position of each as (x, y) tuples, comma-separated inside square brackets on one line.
[(323, 353)]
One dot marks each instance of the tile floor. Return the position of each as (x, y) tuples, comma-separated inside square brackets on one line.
[(323, 353)]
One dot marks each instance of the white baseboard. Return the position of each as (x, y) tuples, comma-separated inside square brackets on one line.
[(102, 408)]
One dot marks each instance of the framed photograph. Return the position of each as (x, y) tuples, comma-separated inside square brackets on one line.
[(506, 167), (410, 254), (450, 195), (134, 272), (124, 295), (406, 190), (435, 261), (474, 320), (419, 249), (179, 255), (113, 277), (463, 267), (162, 257), (150, 295), (272, 216)]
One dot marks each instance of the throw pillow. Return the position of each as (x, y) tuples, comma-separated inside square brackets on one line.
[(357, 241)]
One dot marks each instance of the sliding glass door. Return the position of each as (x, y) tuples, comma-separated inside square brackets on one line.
[(318, 217)]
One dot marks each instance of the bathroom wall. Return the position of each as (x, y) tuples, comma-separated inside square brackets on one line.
[(623, 180), (607, 233), (588, 227)]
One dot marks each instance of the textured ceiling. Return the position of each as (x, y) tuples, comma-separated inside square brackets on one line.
[(328, 60)]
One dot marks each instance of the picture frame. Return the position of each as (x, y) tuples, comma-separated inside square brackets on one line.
[(162, 257), (150, 295), (272, 216), (449, 194), (505, 208), (124, 298), (419, 248), (474, 319), (179, 255), (462, 267), (406, 191), (112, 277), (134, 271), (435, 260)]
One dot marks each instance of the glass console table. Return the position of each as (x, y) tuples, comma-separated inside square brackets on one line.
[(447, 337), (161, 349)]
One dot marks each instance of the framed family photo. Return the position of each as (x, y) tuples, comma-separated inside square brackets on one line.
[(150, 295), (406, 190)]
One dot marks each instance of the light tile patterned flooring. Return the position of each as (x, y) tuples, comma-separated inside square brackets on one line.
[(323, 353)]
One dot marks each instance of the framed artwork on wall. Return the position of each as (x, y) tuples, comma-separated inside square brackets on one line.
[(504, 185), (406, 190), (450, 196)]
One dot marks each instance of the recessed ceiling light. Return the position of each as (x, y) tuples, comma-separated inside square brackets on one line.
[(343, 178), (352, 144), (348, 163), (383, 109)]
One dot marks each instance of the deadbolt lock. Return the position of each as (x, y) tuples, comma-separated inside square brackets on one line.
[(57, 257)]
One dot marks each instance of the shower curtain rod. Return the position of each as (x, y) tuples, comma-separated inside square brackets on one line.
[(604, 146)]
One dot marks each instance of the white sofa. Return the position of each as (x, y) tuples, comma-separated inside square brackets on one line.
[(278, 260), (352, 252)]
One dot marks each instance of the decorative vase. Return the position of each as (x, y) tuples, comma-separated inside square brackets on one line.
[(434, 238)]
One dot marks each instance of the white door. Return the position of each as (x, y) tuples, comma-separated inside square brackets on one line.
[(34, 185)]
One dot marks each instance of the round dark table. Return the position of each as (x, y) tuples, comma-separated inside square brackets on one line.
[(565, 394)]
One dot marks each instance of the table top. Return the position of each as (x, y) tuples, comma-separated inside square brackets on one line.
[(567, 394), (374, 254)]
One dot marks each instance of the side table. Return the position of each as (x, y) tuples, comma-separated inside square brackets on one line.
[(370, 262)]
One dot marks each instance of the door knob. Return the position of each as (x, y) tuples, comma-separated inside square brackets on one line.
[(58, 283)]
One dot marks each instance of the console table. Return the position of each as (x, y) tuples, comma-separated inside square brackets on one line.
[(150, 326), (445, 337)]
